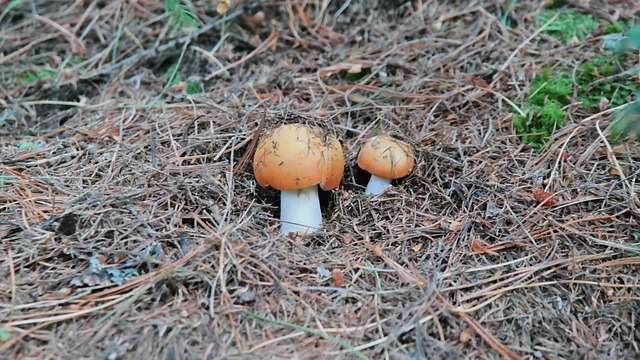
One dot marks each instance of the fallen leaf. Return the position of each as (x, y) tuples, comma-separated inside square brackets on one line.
[(337, 277), (269, 334), (305, 19), (115, 133), (479, 82), (330, 34), (466, 335), (479, 247), (258, 19), (428, 141), (546, 197), (179, 87), (456, 226), (492, 179), (417, 248), (563, 155), (273, 97), (619, 149), (614, 172), (347, 239)]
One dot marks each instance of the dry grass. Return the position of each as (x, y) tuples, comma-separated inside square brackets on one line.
[(131, 227)]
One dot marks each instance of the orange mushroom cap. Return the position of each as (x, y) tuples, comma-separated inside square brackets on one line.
[(296, 156), (386, 157)]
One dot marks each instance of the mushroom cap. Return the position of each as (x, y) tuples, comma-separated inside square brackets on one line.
[(296, 156), (386, 157)]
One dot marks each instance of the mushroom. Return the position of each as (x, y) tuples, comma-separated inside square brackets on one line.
[(295, 159), (385, 159)]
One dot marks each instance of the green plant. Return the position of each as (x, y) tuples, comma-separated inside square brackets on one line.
[(194, 87), (172, 75), (614, 28), (617, 91), (544, 108), (9, 7), (37, 75), (568, 24), (551, 91), (627, 125), (554, 4), (181, 13)]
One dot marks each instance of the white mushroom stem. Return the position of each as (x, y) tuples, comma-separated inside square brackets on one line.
[(300, 210), (377, 185)]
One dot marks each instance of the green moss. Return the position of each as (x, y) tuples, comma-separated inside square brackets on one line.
[(40, 74), (77, 59), (568, 24), (541, 121), (194, 87), (614, 28), (551, 91), (29, 77), (545, 86), (617, 91)]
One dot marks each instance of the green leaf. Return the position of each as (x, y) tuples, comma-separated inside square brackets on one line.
[(182, 14), (12, 4), (5, 335)]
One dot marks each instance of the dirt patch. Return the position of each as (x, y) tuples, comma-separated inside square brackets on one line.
[(132, 227)]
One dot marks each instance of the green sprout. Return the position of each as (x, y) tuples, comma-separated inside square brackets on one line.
[(181, 13)]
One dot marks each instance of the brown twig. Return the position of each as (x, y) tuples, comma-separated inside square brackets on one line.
[(268, 42)]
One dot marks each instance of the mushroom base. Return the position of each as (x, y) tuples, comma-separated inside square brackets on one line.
[(300, 210), (377, 185)]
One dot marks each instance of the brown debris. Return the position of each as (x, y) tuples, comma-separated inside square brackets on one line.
[(131, 225)]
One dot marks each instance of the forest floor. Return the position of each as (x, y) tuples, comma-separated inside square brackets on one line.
[(131, 225)]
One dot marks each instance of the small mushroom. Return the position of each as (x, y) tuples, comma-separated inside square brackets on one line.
[(295, 159), (385, 159)]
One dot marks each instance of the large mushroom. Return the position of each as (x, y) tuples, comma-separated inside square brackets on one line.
[(295, 159), (385, 159)]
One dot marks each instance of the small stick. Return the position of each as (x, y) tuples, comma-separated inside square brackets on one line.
[(242, 164), (78, 46), (145, 54), (252, 54)]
